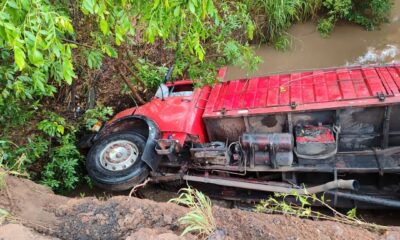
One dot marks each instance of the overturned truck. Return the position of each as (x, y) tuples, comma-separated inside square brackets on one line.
[(331, 130)]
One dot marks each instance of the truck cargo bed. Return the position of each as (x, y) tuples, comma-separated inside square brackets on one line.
[(363, 101), (305, 91)]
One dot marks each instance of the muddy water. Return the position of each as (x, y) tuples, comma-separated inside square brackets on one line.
[(348, 45)]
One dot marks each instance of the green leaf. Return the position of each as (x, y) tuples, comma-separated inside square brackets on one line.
[(68, 71), (12, 4), (60, 129), (19, 57), (110, 51), (95, 59), (191, 7), (38, 79), (250, 30), (88, 6), (177, 11), (352, 213), (104, 26), (36, 57)]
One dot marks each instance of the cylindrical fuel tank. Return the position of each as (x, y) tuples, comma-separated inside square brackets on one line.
[(282, 158), (281, 142)]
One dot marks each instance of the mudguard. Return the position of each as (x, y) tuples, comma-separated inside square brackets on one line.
[(149, 156)]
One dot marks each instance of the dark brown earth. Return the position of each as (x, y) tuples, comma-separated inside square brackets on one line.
[(36, 213)]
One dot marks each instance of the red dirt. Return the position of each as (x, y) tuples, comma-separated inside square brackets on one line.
[(39, 214)]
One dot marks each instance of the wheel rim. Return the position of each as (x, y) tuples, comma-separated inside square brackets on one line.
[(119, 155)]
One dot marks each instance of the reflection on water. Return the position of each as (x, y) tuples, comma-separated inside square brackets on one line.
[(349, 44), (389, 54)]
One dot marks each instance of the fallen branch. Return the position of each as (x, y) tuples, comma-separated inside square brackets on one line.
[(135, 188), (134, 75), (131, 87)]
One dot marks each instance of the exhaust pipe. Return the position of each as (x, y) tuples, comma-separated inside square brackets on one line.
[(338, 184)]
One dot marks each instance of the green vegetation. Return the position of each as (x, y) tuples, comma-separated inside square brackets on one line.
[(301, 207), (369, 13), (52, 54), (4, 214), (60, 172), (199, 220), (53, 143), (98, 114), (273, 17)]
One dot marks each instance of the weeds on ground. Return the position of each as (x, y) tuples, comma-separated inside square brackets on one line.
[(104, 196), (278, 203), (4, 214), (199, 220), (3, 175)]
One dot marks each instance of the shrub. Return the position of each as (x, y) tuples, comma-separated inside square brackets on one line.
[(97, 114), (325, 27), (370, 13), (282, 43), (367, 13), (61, 171)]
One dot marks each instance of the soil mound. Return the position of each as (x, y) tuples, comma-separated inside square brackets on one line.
[(37, 213)]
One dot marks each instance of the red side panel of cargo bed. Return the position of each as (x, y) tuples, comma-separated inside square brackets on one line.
[(303, 91)]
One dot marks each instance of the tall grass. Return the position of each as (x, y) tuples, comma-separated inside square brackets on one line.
[(199, 220), (274, 17)]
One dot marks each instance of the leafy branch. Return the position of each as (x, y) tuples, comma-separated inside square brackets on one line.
[(278, 203)]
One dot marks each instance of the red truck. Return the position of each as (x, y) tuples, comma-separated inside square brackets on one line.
[(332, 130)]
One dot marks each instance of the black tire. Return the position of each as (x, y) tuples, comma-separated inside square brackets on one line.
[(117, 180)]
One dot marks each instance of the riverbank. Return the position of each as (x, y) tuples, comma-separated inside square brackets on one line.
[(36, 213)]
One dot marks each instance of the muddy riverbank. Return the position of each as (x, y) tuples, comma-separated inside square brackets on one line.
[(36, 213)]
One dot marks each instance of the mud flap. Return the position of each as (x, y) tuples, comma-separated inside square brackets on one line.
[(150, 156)]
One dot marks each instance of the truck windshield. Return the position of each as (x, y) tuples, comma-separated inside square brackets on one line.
[(164, 91)]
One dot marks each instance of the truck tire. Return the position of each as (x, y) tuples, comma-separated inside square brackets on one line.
[(114, 162)]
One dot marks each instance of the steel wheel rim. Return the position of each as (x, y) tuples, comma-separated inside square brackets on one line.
[(119, 155)]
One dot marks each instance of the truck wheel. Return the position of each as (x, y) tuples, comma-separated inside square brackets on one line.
[(114, 162)]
